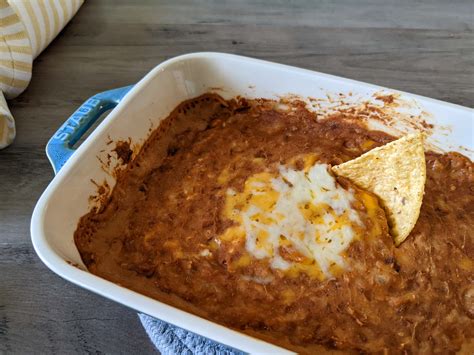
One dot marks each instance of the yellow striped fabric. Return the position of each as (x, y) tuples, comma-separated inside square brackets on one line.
[(26, 29), (44, 19), (15, 52), (7, 124)]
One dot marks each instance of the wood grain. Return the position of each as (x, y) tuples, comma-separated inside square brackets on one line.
[(424, 47)]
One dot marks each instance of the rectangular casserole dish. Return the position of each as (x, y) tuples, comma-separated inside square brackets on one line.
[(143, 106)]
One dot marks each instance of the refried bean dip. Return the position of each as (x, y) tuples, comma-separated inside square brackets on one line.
[(229, 212)]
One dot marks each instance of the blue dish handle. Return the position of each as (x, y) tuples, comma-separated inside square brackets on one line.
[(61, 146)]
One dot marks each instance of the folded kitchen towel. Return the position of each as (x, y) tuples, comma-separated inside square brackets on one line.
[(26, 28), (170, 340)]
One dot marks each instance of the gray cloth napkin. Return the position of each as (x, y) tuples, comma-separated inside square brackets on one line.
[(170, 340)]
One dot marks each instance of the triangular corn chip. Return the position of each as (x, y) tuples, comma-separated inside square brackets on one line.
[(396, 173)]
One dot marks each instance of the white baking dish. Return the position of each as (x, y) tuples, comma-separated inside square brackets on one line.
[(66, 198)]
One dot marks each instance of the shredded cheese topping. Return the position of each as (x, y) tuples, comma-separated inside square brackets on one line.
[(298, 220)]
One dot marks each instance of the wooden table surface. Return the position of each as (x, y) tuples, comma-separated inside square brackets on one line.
[(424, 47)]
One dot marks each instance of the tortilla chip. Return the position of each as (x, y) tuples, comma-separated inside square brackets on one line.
[(396, 173)]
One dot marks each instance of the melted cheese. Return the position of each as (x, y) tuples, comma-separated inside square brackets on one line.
[(297, 220)]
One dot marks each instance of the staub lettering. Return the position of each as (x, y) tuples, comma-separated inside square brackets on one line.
[(78, 119)]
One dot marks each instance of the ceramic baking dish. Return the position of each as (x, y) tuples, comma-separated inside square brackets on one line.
[(138, 108)]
